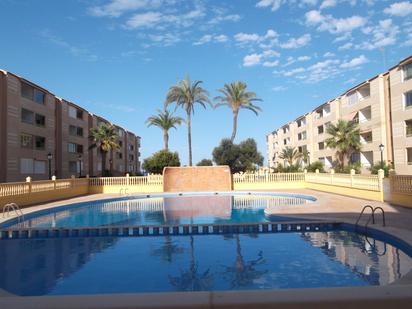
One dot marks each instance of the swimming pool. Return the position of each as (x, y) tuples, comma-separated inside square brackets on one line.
[(190, 242), (158, 209), (101, 265)]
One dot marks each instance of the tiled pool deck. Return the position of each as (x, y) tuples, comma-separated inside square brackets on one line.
[(327, 208)]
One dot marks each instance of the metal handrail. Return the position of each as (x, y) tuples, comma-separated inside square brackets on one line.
[(363, 210), (372, 216), (13, 207)]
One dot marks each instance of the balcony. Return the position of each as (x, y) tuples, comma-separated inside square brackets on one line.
[(366, 138), (408, 128)]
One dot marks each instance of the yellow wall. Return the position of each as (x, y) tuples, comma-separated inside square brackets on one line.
[(352, 192), (130, 189), (401, 199), (269, 186)]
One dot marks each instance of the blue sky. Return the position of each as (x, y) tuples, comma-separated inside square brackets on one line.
[(117, 58)]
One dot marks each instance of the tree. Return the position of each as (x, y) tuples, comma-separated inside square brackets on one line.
[(291, 155), (240, 158), (344, 137), (186, 94), (236, 97), (104, 137), (205, 162), (165, 121), (250, 157), (159, 160)]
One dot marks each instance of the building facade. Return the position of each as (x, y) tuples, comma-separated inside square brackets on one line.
[(382, 106), (43, 135)]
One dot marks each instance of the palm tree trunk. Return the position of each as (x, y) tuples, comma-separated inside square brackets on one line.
[(235, 114), (189, 138), (103, 162), (166, 139)]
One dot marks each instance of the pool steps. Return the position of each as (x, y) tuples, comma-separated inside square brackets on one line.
[(162, 230)]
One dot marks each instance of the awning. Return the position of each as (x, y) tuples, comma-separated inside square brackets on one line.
[(351, 116)]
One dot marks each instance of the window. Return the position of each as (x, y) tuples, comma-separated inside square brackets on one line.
[(321, 145), (352, 98), (408, 126), (27, 116), (409, 155), (40, 120), (30, 166), (74, 148), (26, 141), (355, 157), (71, 147), (120, 144), (407, 71), (31, 93), (39, 167), (40, 142), (408, 99), (284, 142), (27, 91), (26, 166), (73, 166), (131, 157), (72, 112), (301, 122), (79, 114), (320, 129), (131, 147), (119, 155), (75, 131)]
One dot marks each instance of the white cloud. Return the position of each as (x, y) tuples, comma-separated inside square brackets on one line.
[(328, 4), (328, 55), (296, 42), (207, 38), (165, 39), (247, 37), (273, 4), (355, 62), (333, 25), (271, 64), (222, 18), (279, 88), (346, 46), (399, 8), (115, 8), (251, 60), (383, 34), (144, 20), (265, 56), (292, 60)]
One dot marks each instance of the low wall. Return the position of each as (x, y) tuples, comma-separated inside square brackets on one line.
[(352, 192), (269, 185), (36, 192), (195, 179), (400, 190)]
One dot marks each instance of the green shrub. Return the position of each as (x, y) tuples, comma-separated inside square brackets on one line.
[(317, 165), (205, 162), (347, 168), (160, 160), (376, 167)]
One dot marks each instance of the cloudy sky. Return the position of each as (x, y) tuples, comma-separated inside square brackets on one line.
[(117, 58)]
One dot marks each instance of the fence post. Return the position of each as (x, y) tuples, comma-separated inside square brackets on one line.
[(28, 180), (54, 182), (127, 180), (266, 176), (72, 180), (332, 172), (352, 173), (381, 176)]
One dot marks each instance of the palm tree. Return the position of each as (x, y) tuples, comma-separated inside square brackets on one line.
[(186, 94), (104, 137), (165, 121), (236, 97), (344, 137), (290, 155)]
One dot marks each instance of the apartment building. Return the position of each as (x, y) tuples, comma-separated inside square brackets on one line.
[(379, 105), (400, 79), (43, 135)]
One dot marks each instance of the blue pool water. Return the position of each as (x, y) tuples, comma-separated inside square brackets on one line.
[(184, 263), (167, 209)]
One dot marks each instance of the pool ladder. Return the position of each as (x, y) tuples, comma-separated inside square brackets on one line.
[(16, 209), (372, 216)]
